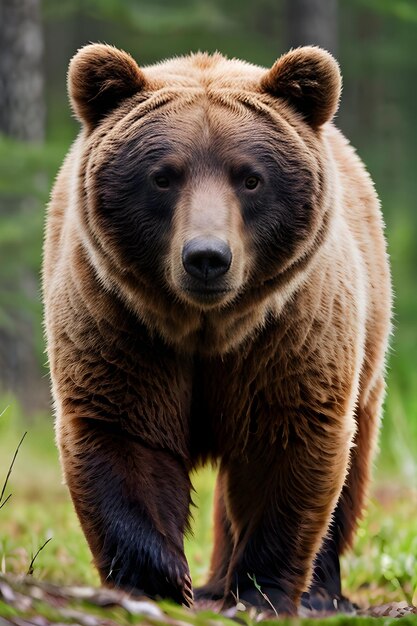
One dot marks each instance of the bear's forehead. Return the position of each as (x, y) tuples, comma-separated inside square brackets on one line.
[(204, 140), (202, 70), (202, 105), (198, 127), (200, 124)]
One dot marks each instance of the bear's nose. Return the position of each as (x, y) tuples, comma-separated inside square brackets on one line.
[(206, 258)]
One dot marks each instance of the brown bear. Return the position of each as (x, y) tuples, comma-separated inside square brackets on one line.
[(216, 288)]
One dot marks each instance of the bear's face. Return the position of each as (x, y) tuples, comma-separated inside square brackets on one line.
[(199, 186)]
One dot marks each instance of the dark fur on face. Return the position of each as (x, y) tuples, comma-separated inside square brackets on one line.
[(215, 149)]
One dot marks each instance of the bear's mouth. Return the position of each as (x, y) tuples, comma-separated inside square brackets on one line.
[(207, 295)]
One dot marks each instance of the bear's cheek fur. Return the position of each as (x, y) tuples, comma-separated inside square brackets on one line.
[(131, 223), (283, 224)]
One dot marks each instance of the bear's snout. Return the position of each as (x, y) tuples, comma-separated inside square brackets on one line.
[(206, 258)]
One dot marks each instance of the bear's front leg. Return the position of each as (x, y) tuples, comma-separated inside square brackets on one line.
[(133, 504), (280, 502)]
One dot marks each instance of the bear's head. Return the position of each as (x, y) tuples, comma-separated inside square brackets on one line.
[(204, 184)]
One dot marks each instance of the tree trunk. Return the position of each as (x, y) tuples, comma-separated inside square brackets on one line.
[(22, 117), (22, 106), (312, 22)]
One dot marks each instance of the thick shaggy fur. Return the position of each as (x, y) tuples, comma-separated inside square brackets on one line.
[(276, 374)]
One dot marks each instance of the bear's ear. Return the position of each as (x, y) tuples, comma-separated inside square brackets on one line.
[(308, 78), (100, 77)]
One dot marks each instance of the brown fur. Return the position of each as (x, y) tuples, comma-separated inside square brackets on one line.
[(278, 377)]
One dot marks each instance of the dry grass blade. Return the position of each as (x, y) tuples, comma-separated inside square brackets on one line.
[(6, 500), (265, 597), (4, 410), (9, 472), (30, 568)]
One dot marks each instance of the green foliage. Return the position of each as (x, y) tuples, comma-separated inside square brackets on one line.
[(151, 18), (405, 10), (27, 173), (383, 564), (28, 169)]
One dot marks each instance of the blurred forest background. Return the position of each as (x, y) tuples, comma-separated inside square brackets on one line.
[(375, 42)]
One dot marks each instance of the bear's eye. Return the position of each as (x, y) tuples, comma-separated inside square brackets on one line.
[(251, 182), (161, 181)]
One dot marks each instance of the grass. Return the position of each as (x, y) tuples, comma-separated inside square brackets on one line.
[(381, 568)]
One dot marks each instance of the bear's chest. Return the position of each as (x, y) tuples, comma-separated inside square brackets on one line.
[(238, 399)]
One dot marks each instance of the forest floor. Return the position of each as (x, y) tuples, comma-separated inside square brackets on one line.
[(25, 601)]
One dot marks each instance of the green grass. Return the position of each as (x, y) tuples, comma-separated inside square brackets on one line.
[(381, 568)]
